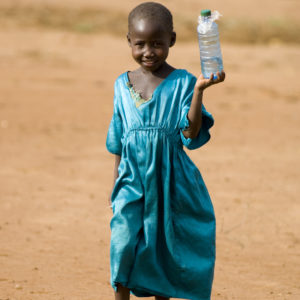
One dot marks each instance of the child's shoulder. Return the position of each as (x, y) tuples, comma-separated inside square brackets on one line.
[(185, 75), (185, 79), (121, 78)]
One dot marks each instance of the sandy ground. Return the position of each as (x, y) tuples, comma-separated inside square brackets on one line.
[(252, 9), (56, 92)]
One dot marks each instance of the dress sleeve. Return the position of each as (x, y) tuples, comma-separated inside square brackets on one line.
[(207, 121), (115, 130)]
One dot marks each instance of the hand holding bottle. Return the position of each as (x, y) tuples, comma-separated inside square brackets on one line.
[(202, 83)]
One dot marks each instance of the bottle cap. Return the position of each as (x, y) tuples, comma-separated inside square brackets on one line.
[(205, 12)]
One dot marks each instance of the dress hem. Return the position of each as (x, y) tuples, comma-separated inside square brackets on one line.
[(139, 292)]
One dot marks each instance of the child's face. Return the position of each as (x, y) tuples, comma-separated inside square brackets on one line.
[(150, 43)]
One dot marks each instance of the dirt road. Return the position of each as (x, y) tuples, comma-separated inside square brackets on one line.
[(56, 90)]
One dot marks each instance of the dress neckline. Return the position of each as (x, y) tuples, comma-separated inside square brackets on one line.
[(136, 97)]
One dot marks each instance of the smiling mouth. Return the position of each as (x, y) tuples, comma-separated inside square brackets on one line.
[(149, 62)]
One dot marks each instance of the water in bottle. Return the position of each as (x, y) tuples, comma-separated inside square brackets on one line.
[(209, 43)]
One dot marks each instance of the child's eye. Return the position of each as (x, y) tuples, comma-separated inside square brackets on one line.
[(157, 44), (139, 44)]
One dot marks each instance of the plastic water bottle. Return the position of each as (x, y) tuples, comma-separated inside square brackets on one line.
[(209, 43)]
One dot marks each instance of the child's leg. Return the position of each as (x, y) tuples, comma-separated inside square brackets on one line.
[(161, 298), (122, 293)]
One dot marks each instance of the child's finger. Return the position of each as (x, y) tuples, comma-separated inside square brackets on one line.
[(211, 79), (221, 76)]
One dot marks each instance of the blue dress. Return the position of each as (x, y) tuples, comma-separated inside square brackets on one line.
[(163, 224)]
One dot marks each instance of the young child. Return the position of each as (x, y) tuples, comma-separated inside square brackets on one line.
[(163, 224)]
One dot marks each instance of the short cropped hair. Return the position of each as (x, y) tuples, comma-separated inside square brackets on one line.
[(151, 11)]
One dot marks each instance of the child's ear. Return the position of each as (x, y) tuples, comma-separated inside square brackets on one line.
[(173, 39), (128, 39)]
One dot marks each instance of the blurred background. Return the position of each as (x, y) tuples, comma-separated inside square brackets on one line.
[(59, 60)]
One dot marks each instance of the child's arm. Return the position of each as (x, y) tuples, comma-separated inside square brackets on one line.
[(116, 174), (195, 112)]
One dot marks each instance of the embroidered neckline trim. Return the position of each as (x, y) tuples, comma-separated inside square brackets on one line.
[(137, 98)]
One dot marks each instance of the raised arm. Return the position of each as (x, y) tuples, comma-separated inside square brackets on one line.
[(195, 112)]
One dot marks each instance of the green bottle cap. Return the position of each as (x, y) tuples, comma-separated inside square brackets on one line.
[(205, 12)]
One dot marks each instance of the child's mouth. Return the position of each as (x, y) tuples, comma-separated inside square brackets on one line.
[(149, 63)]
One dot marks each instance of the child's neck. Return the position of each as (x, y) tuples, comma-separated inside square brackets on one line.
[(162, 72), (145, 82)]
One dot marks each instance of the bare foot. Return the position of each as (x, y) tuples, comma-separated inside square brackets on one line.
[(122, 293)]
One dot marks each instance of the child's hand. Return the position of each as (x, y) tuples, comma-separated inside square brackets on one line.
[(203, 83)]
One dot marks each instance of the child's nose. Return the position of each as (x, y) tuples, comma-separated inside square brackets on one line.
[(148, 51)]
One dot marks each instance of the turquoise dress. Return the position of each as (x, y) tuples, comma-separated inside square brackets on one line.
[(163, 224)]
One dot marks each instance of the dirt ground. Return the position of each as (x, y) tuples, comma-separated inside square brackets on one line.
[(56, 90)]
